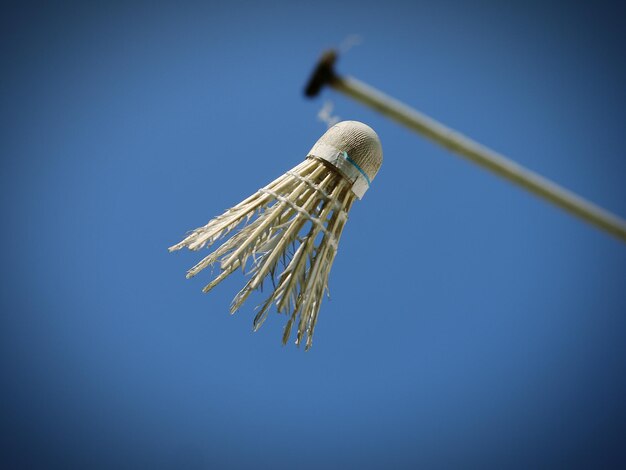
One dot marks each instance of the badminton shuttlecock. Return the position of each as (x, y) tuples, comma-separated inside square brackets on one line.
[(289, 230)]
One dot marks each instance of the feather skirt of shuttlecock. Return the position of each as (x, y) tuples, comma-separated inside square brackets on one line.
[(287, 234)]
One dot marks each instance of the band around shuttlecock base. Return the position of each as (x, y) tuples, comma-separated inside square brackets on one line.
[(348, 168)]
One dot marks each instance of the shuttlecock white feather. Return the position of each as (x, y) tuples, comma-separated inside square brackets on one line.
[(289, 230)]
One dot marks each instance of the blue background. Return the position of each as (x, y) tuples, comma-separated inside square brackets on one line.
[(470, 325)]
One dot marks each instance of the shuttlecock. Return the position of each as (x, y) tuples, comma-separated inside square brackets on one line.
[(289, 230)]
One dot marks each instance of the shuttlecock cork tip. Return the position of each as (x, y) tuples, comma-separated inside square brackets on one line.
[(354, 149)]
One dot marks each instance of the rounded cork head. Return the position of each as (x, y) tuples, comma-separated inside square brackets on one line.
[(359, 141)]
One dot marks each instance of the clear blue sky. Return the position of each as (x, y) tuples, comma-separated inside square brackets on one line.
[(470, 324)]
